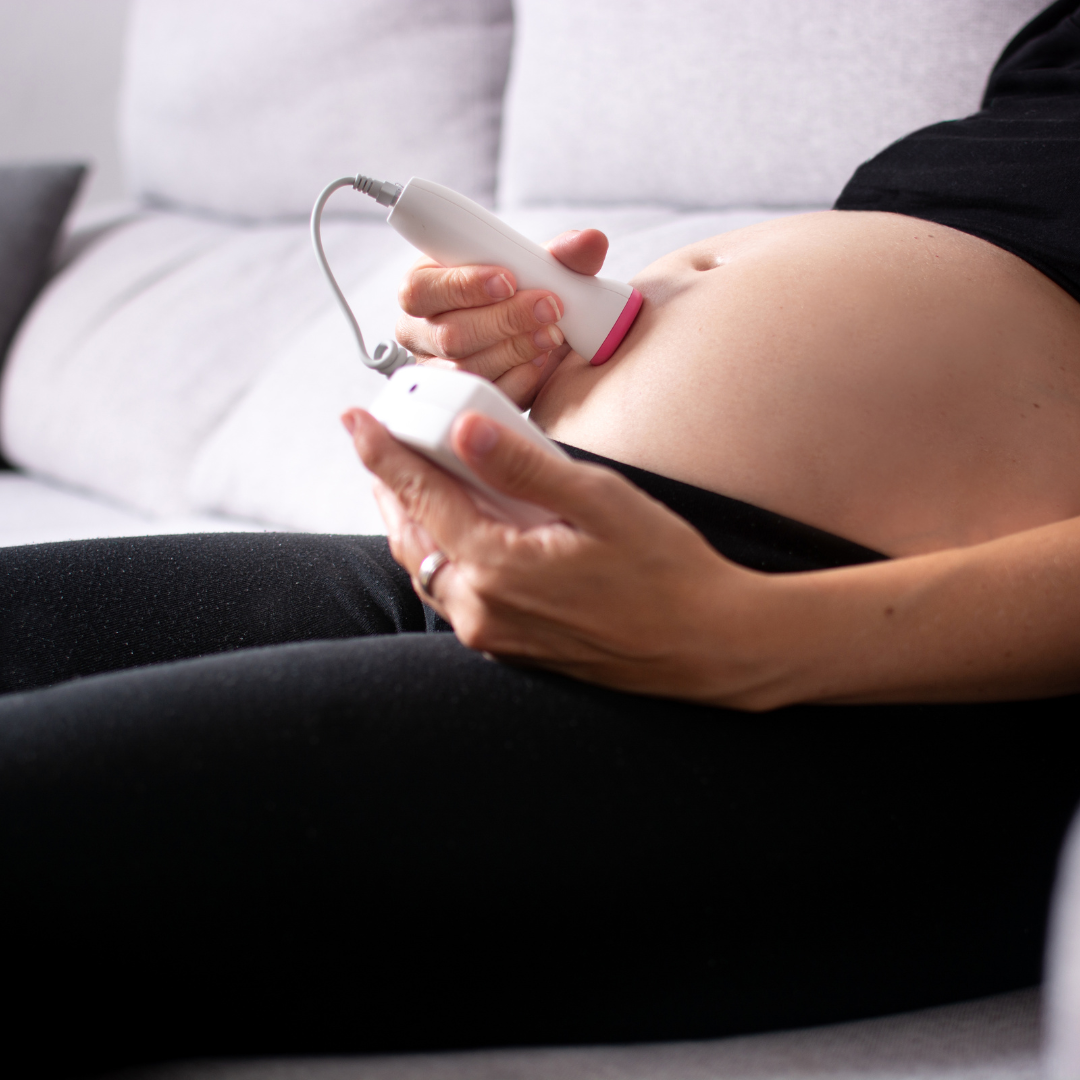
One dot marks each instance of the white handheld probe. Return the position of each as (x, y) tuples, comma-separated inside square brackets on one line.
[(455, 231)]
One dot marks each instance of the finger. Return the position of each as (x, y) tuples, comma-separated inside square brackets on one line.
[(390, 510), (458, 335), (521, 384), (429, 496), (430, 289), (413, 540), (581, 250), (410, 543), (594, 499), (403, 533), (525, 350)]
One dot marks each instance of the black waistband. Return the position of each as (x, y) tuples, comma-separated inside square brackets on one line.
[(744, 533)]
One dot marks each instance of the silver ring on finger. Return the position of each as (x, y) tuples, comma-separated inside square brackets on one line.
[(429, 567)]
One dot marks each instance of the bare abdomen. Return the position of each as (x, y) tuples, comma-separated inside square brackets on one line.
[(889, 380)]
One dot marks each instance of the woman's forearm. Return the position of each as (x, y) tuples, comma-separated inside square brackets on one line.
[(999, 620), (623, 593)]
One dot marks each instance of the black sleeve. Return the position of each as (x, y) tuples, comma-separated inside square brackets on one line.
[(1010, 174)]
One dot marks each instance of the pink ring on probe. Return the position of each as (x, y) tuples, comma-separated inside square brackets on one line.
[(618, 331)]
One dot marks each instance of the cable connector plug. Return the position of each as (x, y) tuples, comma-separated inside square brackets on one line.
[(383, 192), (389, 356)]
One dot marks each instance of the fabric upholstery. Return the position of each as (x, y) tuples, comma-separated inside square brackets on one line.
[(1063, 967), (249, 108), (719, 103), (144, 345), (992, 1039), (37, 511)]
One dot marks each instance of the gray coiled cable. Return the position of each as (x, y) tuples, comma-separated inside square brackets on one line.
[(389, 355)]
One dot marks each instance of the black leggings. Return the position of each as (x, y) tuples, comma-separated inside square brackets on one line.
[(297, 823)]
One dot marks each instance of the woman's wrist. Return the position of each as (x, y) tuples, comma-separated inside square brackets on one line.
[(994, 621), (819, 636), (750, 641), (868, 633)]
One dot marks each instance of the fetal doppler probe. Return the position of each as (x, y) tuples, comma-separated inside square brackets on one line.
[(455, 231)]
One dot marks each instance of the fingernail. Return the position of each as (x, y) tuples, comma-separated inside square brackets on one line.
[(547, 310), (541, 360), (547, 337), (499, 287), (350, 423), (482, 437)]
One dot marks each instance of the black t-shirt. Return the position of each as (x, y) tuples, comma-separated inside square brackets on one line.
[(1010, 174)]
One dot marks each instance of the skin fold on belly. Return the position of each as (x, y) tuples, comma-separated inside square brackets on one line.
[(896, 382)]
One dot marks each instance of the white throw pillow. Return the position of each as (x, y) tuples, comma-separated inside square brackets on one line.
[(248, 108), (719, 103)]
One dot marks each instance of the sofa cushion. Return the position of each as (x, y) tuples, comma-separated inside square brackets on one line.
[(138, 350), (995, 1038), (35, 511), (714, 103), (281, 453), (1063, 966), (248, 108)]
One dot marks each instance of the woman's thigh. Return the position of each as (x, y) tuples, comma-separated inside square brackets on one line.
[(391, 843), (85, 607)]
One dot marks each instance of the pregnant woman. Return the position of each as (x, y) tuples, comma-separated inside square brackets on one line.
[(775, 728)]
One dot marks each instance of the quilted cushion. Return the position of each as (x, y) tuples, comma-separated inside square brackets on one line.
[(720, 103), (248, 108)]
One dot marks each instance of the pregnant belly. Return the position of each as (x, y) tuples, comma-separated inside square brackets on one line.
[(896, 382)]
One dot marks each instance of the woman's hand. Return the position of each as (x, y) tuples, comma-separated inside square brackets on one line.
[(622, 592), (626, 594), (474, 317)]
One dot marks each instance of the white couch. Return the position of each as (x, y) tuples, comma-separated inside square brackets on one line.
[(185, 369), (189, 362)]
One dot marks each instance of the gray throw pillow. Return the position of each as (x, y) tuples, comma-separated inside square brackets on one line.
[(34, 200)]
